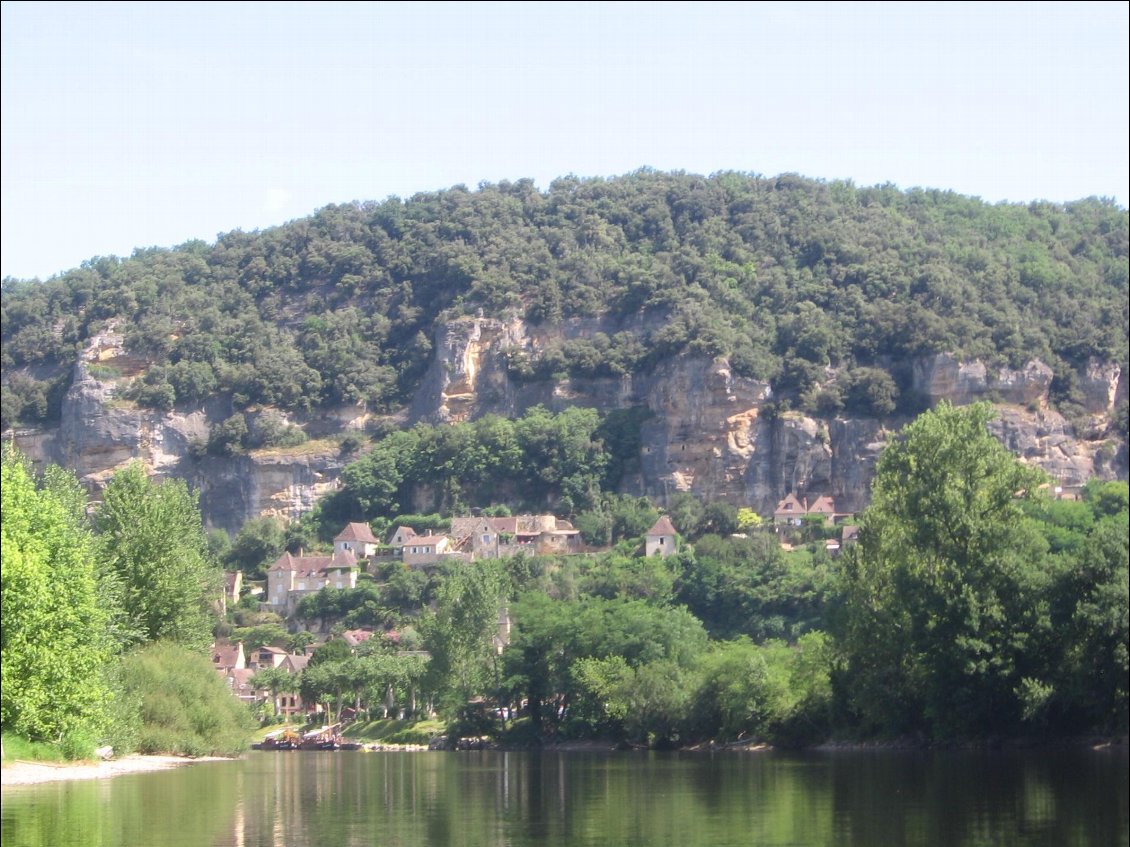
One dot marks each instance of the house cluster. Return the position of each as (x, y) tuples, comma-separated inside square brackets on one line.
[(291, 577), (237, 669), (792, 512), (486, 538)]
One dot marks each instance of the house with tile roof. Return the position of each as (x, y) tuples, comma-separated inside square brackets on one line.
[(291, 578), (825, 507), (358, 539), (425, 550), (661, 539), (227, 656), (789, 511)]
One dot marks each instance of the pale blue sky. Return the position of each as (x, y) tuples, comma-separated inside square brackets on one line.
[(140, 124)]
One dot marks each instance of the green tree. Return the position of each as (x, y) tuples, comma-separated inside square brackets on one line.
[(1095, 629), (277, 681), (259, 542), (460, 633), (942, 595), (152, 539), (686, 512), (55, 642)]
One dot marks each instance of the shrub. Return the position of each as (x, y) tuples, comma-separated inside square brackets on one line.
[(185, 708)]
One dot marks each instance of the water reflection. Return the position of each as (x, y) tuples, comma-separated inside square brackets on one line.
[(485, 798)]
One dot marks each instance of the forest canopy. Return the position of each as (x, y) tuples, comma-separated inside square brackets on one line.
[(785, 276)]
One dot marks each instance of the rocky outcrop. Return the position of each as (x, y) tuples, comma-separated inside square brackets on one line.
[(943, 377), (710, 432), (100, 432)]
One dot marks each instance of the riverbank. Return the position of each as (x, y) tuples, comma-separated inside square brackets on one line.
[(21, 772)]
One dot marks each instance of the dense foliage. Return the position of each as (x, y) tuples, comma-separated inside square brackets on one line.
[(975, 605), (536, 460), (55, 639), (183, 706), (784, 275), (153, 542), (106, 623)]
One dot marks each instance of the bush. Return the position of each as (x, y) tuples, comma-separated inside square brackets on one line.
[(185, 709)]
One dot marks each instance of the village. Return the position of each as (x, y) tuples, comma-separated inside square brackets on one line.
[(356, 551)]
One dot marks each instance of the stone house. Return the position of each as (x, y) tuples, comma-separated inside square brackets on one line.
[(358, 539), (477, 536), (291, 578), (661, 539), (227, 656), (824, 507), (425, 550), (789, 511)]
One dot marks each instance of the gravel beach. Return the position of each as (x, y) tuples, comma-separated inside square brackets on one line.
[(32, 773)]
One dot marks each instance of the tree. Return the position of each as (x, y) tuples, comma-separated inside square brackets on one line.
[(942, 594), (55, 640), (460, 633), (277, 681), (686, 512), (152, 539), (551, 636), (259, 542), (1096, 630), (185, 708)]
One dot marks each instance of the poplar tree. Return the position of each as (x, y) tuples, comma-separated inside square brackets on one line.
[(55, 645), (153, 540)]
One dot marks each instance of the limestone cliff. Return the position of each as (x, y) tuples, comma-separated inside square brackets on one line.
[(711, 433), (100, 432)]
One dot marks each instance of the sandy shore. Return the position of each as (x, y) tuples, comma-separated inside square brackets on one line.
[(32, 773)]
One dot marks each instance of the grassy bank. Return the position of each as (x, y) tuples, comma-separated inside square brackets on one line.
[(20, 749), (395, 732)]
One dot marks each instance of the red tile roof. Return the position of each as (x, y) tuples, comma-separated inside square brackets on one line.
[(357, 532), (314, 564)]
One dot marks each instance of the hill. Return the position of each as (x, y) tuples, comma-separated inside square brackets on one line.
[(824, 313)]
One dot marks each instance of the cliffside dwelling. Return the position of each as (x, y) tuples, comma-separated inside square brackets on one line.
[(791, 512)]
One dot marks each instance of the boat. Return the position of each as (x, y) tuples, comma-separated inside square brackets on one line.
[(326, 738), (283, 739)]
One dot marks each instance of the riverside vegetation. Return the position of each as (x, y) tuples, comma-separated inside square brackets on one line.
[(973, 606)]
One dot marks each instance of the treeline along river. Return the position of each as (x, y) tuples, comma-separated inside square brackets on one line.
[(888, 798)]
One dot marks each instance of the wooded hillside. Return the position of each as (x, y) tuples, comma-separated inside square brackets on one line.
[(783, 275)]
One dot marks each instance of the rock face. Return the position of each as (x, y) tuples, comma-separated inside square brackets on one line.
[(711, 433), (943, 377), (99, 433)]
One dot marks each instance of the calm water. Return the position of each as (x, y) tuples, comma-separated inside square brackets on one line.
[(391, 799)]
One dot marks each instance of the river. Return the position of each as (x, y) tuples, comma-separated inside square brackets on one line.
[(880, 798)]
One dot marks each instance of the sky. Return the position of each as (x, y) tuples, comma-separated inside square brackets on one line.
[(134, 125)]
